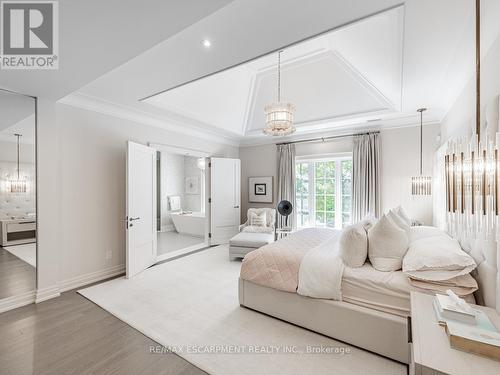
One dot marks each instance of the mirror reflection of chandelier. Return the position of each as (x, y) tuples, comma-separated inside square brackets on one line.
[(279, 116), (18, 185)]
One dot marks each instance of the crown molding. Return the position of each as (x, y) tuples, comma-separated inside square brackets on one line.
[(382, 125), (95, 104)]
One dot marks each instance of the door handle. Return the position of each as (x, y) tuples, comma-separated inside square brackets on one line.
[(236, 207), (134, 218)]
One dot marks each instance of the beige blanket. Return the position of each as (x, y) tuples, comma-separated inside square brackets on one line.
[(277, 265)]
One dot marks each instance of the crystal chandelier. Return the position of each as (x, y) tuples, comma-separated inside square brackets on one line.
[(421, 185), (18, 185), (472, 168), (279, 116)]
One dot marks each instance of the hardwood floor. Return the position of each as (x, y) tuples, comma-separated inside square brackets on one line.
[(71, 335), (16, 276)]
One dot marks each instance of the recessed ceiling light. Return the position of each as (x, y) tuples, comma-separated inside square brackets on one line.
[(206, 43)]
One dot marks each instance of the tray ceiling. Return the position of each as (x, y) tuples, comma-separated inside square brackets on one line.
[(352, 72), (371, 73)]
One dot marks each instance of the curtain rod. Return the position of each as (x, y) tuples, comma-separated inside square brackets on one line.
[(323, 139)]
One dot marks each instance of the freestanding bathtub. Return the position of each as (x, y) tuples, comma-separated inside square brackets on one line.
[(192, 223)]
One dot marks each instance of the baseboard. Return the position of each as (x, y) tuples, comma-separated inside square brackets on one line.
[(168, 228), (47, 293), (92, 277), (14, 302)]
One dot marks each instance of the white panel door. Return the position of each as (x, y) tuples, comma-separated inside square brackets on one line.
[(141, 208), (225, 199)]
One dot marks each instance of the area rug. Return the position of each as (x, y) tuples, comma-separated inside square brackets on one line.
[(25, 252), (190, 307)]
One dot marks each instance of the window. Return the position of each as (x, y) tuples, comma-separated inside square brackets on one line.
[(323, 192)]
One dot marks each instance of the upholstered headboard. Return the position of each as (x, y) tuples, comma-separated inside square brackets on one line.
[(485, 253)]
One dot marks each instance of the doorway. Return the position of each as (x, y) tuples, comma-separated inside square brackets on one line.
[(181, 215)]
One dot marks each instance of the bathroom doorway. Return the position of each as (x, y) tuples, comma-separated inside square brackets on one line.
[(182, 224)]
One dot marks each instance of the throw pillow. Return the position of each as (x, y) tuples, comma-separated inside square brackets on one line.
[(387, 245)]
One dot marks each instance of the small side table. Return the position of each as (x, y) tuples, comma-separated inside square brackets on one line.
[(283, 232), (430, 351)]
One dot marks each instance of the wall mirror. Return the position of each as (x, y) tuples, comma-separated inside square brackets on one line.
[(18, 229)]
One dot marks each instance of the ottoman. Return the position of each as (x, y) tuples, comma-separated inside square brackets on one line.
[(244, 242)]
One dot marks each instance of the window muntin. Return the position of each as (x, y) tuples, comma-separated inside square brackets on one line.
[(323, 192)]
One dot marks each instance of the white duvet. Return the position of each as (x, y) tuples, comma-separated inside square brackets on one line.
[(321, 271)]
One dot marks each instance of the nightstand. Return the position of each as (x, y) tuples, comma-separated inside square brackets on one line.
[(430, 351)]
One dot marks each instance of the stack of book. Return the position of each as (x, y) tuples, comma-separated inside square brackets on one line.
[(469, 330)]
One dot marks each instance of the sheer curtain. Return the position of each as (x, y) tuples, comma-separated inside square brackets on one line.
[(366, 176), (286, 181)]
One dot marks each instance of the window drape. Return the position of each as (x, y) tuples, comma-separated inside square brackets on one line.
[(286, 181), (366, 176)]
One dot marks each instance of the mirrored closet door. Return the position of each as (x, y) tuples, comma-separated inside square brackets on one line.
[(18, 259)]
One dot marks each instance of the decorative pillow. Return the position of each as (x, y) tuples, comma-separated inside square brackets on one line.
[(353, 245), (257, 219), (368, 221), (270, 215), (398, 220), (402, 214), (437, 258), (387, 245)]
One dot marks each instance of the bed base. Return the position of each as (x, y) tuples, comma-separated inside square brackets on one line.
[(373, 330)]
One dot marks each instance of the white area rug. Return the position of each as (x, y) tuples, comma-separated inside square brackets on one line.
[(191, 304), (25, 252)]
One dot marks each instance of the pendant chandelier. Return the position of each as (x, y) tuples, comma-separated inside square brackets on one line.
[(421, 185), (472, 174), (279, 116), (18, 185)]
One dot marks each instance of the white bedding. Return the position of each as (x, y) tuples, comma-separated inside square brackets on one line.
[(384, 291), (309, 263), (379, 290), (321, 269)]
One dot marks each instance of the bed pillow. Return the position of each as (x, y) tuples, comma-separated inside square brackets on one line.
[(461, 285), (368, 221), (403, 215), (437, 258), (257, 219), (398, 220), (424, 231), (353, 245), (387, 245)]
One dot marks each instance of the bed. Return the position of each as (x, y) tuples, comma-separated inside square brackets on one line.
[(372, 312)]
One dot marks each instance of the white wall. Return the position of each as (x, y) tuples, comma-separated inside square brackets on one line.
[(8, 152), (460, 119), (82, 189), (400, 160)]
